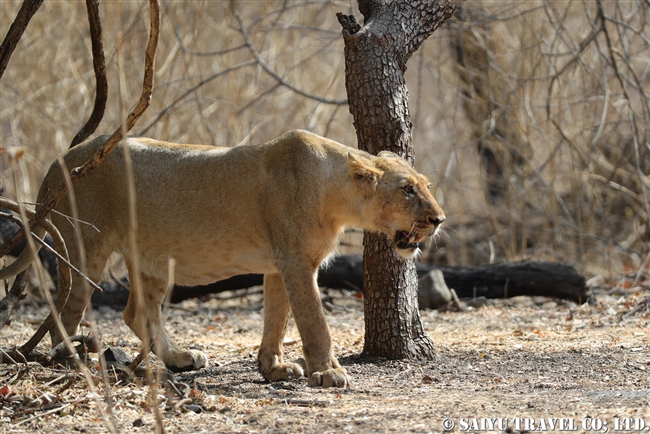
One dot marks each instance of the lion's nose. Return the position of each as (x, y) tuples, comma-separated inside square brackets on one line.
[(436, 221)]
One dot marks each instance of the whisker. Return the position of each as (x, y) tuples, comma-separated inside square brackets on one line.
[(442, 230)]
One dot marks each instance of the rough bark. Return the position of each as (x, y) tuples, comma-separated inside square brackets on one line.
[(375, 60)]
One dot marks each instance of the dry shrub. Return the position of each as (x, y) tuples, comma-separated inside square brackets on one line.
[(553, 102), (531, 117)]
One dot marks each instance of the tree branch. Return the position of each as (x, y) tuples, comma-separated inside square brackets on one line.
[(25, 14), (279, 79), (99, 65), (167, 109)]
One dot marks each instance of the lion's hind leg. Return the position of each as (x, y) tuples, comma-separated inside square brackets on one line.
[(276, 315), (98, 250), (144, 317)]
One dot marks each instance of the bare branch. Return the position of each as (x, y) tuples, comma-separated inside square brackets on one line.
[(633, 121), (184, 49), (167, 109), (99, 65), (273, 74), (25, 14)]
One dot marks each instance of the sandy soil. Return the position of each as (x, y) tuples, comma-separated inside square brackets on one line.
[(532, 361)]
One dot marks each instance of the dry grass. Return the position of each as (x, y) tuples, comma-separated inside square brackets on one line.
[(518, 358)]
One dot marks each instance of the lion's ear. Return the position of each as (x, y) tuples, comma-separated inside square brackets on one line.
[(388, 154), (365, 176)]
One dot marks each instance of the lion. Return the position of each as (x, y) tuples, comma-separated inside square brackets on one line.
[(277, 209)]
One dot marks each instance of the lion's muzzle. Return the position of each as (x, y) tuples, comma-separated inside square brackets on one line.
[(407, 243)]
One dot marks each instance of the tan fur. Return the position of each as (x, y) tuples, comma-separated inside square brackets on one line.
[(276, 209)]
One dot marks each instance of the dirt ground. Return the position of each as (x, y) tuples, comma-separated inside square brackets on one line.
[(534, 363)]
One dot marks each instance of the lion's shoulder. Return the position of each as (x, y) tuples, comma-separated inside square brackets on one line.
[(301, 148), (302, 139)]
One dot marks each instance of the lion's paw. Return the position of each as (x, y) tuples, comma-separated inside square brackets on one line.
[(190, 360), (335, 377), (284, 371)]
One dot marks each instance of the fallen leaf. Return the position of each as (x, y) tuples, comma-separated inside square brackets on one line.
[(193, 408), (49, 398)]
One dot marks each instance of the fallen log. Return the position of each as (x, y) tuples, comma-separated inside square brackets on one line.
[(532, 278), (491, 281)]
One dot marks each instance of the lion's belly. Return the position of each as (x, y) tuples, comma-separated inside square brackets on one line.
[(202, 258)]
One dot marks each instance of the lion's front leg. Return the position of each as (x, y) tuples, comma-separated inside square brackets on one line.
[(276, 316), (322, 367)]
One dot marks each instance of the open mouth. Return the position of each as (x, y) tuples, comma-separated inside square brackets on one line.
[(407, 241)]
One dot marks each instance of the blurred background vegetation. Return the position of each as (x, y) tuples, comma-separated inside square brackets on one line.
[(531, 118)]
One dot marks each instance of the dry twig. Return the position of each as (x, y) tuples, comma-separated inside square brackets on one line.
[(273, 74)]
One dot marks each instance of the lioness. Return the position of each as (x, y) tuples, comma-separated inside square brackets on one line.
[(277, 209)]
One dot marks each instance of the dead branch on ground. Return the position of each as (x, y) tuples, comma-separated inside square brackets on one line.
[(345, 272)]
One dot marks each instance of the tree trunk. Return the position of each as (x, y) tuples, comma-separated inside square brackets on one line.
[(375, 60), (491, 106)]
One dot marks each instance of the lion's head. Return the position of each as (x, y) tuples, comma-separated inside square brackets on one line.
[(400, 204)]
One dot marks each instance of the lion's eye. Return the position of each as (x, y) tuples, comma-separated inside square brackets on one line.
[(408, 189)]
